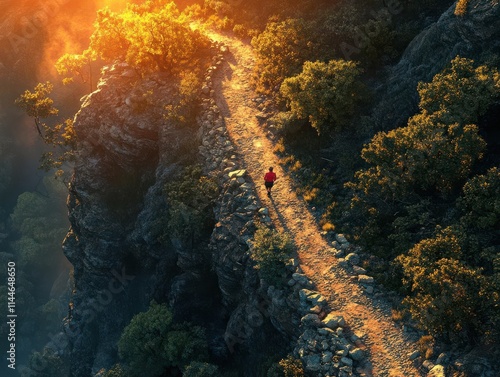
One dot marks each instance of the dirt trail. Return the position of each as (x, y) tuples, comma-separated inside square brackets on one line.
[(366, 317)]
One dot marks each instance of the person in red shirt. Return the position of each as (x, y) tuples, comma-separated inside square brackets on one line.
[(269, 179)]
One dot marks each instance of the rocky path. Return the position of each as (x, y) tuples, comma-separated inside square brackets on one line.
[(366, 317)]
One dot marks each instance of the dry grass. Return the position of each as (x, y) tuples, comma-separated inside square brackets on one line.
[(461, 8)]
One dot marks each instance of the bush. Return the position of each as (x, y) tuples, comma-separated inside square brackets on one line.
[(282, 48), (197, 369), (289, 367), (151, 343), (326, 94), (46, 364), (448, 297), (190, 199), (271, 251)]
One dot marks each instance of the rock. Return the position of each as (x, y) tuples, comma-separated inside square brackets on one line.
[(352, 258), (358, 270), (364, 279), (312, 363), (237, 173), (442, 359), (327, 357), (346, 361), (342, 263), (342, 353), (339, 253), (341, 238), (369, 289), (315, 309), (332, 321), (413, 355), (437, 371), (311, 320), (317, 299), (264, 211), (326, 331), (357, 354), (304, 293), (427, 364)]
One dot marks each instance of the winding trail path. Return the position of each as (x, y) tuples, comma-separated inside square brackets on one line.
[(368, 318)]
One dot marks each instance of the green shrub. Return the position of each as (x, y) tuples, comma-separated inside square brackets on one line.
[(151, 343), (325, 94), (191, 200), (197, 369), (116, 371), (448, 297), (282, 48), (46, 364), (289, 367), (271, 251)]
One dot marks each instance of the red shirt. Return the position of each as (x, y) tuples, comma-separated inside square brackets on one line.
[(270, 176)]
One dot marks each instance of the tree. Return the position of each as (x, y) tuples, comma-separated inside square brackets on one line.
[(448, 297), (142, 343), (480, 201), (46, 364), (40, 231), (190, 199), (424, 155), (479, 223), (38, 105), (282, 48), (151, 343), (150, 37), (61, 136), (198, 369), (271, 250), (326, 94), (76, 65), (460, 93)]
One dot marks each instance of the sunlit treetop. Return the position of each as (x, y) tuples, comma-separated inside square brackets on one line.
[(153, 36)]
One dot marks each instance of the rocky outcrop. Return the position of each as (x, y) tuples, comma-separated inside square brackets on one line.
[(116, 188), (117, 207), (475, 35)]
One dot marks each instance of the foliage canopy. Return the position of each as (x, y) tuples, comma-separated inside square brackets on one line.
[(324, 93), (151, 343)]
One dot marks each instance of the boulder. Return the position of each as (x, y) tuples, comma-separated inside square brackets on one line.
[(312, 363), (365, 279), (437, 371), (357, 354), (352, 258), (332, 321)]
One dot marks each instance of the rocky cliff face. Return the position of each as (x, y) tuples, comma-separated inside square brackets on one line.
[(117, 207), (475, 35), (114, 179)]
